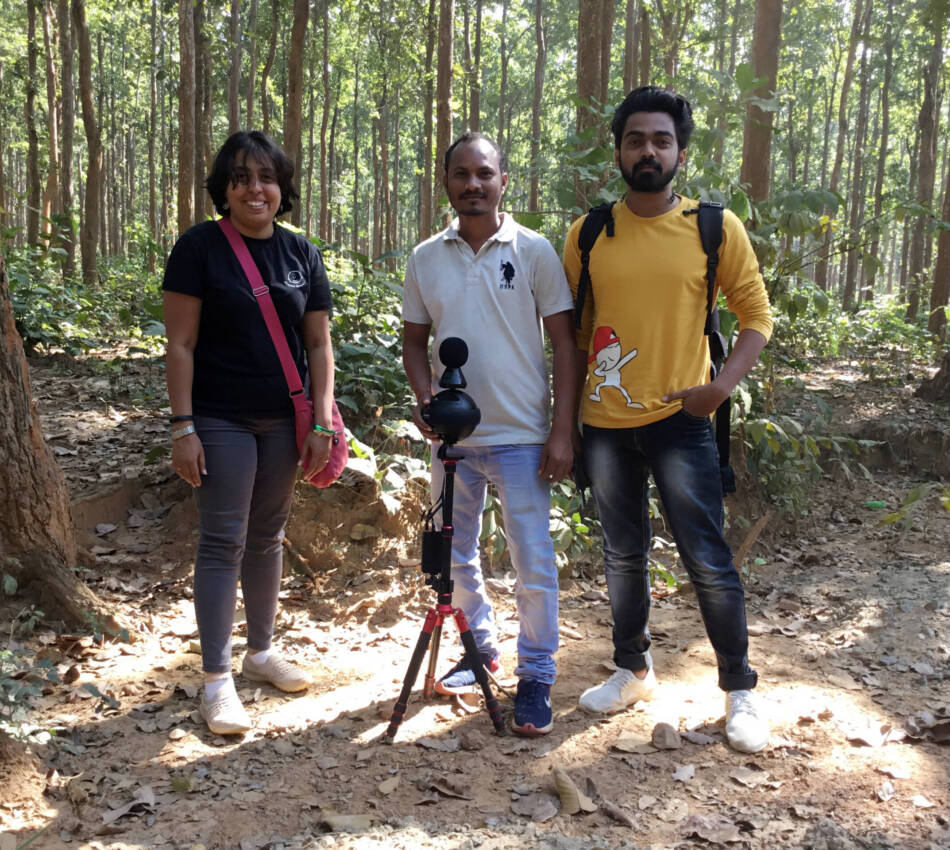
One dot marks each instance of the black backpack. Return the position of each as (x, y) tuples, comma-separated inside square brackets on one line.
[(709, 220)]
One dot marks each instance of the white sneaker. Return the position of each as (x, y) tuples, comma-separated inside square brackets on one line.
[(623, 688), (224, 713), (276, 671), (746, 729)]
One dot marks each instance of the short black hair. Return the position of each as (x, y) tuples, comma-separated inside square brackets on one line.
[(655, 99), (260, 146), (469, 138)]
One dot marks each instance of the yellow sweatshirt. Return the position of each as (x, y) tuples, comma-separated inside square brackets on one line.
[(646, 308)]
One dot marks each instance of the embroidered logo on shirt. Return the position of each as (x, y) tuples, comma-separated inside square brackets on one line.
[(295, 279), (507, 275)]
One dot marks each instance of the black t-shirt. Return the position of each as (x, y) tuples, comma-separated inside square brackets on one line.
[(237, 371)]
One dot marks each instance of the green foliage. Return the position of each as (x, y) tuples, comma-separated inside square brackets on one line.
[(905, 515)]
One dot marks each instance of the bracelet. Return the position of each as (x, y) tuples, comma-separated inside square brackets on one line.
[(183, 432), (319, 429), (184, 417)]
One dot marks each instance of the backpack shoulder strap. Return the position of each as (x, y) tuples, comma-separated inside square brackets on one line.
[(709, 221), (597, 219)]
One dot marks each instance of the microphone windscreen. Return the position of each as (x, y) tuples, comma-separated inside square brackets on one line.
[(453, 352)]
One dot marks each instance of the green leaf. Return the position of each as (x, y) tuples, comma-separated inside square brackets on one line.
[(10, 585), (739, 204)]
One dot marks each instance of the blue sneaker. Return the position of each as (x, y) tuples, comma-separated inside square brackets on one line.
[(533, 708), (461, 678)]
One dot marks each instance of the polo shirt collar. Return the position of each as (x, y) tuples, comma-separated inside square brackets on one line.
[(505, 233)]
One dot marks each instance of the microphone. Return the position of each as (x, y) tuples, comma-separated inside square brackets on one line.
[(452, 414), (453, 352)]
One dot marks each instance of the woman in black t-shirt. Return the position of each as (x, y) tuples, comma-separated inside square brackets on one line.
[(233, 436)]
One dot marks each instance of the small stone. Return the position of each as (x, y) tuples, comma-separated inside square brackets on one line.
[(665, 737)]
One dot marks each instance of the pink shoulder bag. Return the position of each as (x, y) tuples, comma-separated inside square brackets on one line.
[(303, 407)]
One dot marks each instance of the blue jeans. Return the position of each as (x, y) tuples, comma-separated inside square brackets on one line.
[(526, 506), (681, 452), (243, 503)]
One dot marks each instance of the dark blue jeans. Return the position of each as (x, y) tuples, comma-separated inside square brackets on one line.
[(681, 452)]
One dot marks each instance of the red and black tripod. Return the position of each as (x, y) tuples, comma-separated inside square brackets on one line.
[(437, 566)]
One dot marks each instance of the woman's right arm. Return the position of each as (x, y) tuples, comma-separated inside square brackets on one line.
[(182, 315)]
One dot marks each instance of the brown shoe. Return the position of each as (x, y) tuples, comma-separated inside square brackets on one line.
[(277, 671)]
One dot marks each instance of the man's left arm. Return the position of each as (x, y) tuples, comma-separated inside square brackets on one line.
[(741, 282), (557, 456)]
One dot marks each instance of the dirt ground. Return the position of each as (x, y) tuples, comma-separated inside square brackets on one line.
[(849, 621)]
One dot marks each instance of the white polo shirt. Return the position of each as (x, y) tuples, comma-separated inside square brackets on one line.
[(494, 300)]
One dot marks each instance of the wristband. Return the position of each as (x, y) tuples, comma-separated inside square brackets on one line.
[(184, 417), (183, 432), (319, 429)]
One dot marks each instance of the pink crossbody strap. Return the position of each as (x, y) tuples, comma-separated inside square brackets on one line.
[(266, 304)]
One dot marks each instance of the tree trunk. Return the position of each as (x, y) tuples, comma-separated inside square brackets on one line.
[(68, 113), (821, 269), (674, 19), (33, 198), (354, 244), (607, 14), (939, 294), (757, 137), (251, 67), (37, 546), (475, 96), (937, 388), (294, 105), (51, 197), (589, 32), (856, 204), (443, 93), (153, 132), (186, 115), (426, 189), (646, 45), (503, 84), (631, 45), (324, 119), (234, 70), (539, 61), (269, 63), (203, 116), (927, 167), (89, 229)]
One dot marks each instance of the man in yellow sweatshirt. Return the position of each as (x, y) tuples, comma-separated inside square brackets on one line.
[(648, 398)]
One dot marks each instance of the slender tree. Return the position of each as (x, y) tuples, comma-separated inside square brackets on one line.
[(539, 62), (68, 113), (294, 106), (89, 229), (234, 69), (186, 115), (33, 186), (757, 138), (443, 92)]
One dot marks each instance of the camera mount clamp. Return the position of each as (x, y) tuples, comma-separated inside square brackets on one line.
[(437, 566)]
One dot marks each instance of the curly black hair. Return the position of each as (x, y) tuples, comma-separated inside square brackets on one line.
[(261, 147), (655, 99)]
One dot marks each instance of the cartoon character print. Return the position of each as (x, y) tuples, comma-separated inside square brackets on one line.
[(507, 274), (610, 360)]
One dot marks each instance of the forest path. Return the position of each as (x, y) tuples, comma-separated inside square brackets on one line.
[(849, 625)]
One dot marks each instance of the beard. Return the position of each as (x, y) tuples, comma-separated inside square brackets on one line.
[(468, 211), (648, 176)]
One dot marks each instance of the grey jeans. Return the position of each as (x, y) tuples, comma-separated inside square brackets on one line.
[(243, 503)]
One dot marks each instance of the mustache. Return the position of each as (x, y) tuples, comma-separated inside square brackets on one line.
[(648, 163), (473, 195)]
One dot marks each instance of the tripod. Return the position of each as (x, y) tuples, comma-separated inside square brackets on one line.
[(437, 565)]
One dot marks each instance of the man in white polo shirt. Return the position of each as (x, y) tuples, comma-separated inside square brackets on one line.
[(494, 283)]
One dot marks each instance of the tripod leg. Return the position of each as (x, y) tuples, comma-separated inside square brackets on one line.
[(428, 684), (433, 620), (481, 675)]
